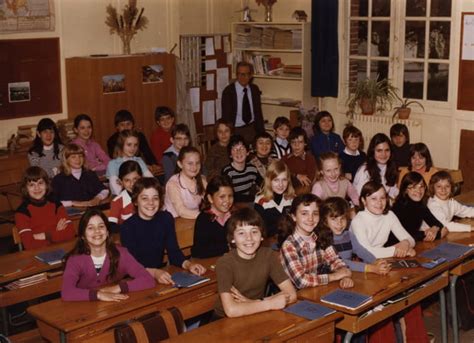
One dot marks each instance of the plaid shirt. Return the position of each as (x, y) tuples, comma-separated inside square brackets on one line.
[(301, 260)]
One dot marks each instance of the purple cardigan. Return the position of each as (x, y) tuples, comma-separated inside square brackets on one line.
[(81, 282)]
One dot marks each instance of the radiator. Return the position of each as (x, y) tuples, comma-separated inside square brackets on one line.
[(370, 125)]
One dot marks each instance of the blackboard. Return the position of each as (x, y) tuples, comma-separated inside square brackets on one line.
[(33, 61)]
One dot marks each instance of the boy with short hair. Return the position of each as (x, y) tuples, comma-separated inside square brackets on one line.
[(400, 138), (261, 156), (124, 121), (352, 157), (281, 146), (180, 137), (160, 138), (301, 162), (243, 272), (217, 156), (244, 176)]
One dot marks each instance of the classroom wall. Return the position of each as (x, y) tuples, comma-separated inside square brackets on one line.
[(80, 25)]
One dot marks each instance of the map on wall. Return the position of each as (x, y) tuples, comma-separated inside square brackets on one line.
[(26, 15)]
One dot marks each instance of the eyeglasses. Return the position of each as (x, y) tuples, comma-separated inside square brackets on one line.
[(239, 148)]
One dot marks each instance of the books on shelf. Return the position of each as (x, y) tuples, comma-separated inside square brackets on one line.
[(253, 36), (281, 101), (448, 251), (309, 310), (347, 299), (51, 257), (27, 281), (185, 279)]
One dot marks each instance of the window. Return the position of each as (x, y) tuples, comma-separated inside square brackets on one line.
[(407, 41)]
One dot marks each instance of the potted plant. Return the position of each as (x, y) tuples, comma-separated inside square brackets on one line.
[(371, 95), (404, 110)]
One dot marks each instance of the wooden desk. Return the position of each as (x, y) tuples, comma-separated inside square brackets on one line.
[(185, 234), (466, 266), (23, 264), (86, 319), (264, 327), (466, 198)]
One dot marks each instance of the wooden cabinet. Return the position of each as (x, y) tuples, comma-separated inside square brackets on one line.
[(84, 77), (263, 44)]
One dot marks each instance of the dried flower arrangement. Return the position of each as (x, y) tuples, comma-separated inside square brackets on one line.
[(127, 24)]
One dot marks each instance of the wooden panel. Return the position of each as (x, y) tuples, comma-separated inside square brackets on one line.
[(466, 159), (85, 93), (35, 61)]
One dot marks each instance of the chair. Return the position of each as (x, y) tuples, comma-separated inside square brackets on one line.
[(17, 238), (152, 327)]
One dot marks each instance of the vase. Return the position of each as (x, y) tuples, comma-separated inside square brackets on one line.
[(126, 39), (268, 13), (367, 107)]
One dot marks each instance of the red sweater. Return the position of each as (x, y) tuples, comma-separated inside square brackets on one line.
[(160, 141), (41, 217)]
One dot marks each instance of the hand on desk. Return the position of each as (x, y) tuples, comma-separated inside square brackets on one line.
[(340, 274), (194, 268), (107, 296), (238, 297), (278, 301), (403, 249), (111, 289), (346, 282), (161, 276), (430, 234), (380, 267)]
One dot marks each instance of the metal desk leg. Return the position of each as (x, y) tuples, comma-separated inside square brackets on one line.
[(5, 321), (454, 309), (62, 337), (348, 337), (444, 327)]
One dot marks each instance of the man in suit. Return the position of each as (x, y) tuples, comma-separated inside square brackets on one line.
[(241, 104)]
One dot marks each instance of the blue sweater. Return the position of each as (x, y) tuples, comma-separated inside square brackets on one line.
[(351, 163), (321, 142), (343, 246), (147, 240)]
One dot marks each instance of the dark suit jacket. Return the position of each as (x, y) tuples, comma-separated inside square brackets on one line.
[(229, 105)]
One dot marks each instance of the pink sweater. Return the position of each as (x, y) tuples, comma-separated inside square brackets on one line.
[(81, 282)]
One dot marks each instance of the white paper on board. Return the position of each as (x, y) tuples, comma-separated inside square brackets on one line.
[(468, 38), (210, 46), (217, 42), (222, 80), (208, 112), (226, 43), (195, 95), (211, 65), (210, 82)]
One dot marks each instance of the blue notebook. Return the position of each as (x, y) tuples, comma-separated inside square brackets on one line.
[(309, 310), (346, 299), (51, 257), (449, 251), (184, 279)]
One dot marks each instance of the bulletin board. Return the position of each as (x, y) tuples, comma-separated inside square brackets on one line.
[(466, 63), (30, 77), (207, 61)]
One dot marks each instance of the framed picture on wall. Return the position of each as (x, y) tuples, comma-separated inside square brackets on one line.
[(113, 83), (19, 91), (152, 73)]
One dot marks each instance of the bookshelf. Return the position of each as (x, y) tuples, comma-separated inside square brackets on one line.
[(281, 56)]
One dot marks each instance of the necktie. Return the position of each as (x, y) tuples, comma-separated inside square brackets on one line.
[(246, 112)]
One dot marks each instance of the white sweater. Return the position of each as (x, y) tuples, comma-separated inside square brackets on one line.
[(371, 231), (445, 210), (362, 177)]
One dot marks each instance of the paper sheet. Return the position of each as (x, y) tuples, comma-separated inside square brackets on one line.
[(194, 94), (211, 65), (210, 82), (208, 112), (217, 42), (222, 80), (226, 43), (468, 38), (210, 46), (229, 58)]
